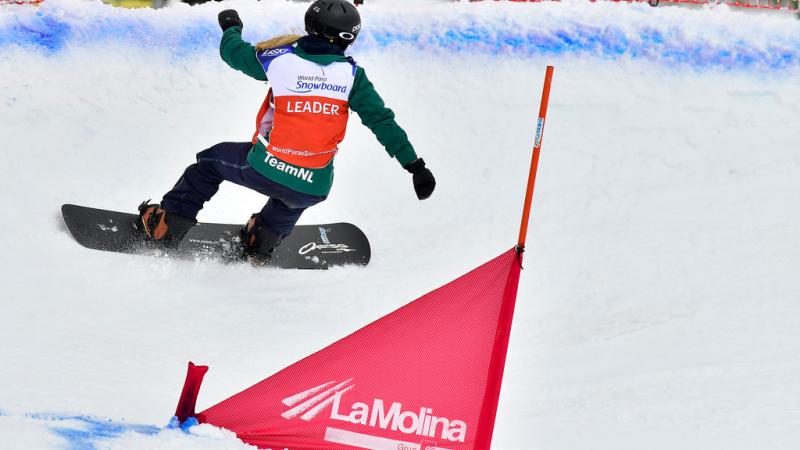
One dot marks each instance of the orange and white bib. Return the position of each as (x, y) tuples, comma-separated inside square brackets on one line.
[(304, 117)]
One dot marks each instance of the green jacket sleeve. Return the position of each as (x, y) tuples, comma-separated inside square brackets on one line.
[(365, 101), (240, 55)]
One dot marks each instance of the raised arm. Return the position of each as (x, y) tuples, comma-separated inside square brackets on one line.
[(235, 51)]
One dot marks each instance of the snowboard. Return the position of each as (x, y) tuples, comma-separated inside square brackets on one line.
[(308, 247)]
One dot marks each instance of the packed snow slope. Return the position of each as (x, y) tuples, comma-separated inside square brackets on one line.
[(658, 308)]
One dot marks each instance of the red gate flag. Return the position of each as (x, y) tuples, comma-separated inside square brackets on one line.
[(426, 376)]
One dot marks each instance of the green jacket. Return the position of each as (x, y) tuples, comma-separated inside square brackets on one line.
[(363, 99)]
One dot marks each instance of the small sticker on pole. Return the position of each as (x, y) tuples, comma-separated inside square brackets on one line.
[(539, 127)]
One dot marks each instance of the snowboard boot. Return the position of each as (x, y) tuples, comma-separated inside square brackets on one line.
[(259, 242), (161, 227)]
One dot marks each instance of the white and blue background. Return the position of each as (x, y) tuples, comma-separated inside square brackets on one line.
[(659, 307)]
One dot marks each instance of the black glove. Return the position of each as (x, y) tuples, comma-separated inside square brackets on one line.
[(423, 178), (229, 18)]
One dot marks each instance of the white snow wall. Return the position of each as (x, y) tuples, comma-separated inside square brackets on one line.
[(711, 39), (658, 308)]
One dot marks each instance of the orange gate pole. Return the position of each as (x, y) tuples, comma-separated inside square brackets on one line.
[(537, 146)]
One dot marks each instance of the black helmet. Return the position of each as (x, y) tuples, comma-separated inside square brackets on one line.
[(337, 20)]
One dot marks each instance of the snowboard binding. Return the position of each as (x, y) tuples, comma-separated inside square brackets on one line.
[(161, 227), (259, 242)]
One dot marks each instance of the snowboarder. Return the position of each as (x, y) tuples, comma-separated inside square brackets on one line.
[(299, 127)]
